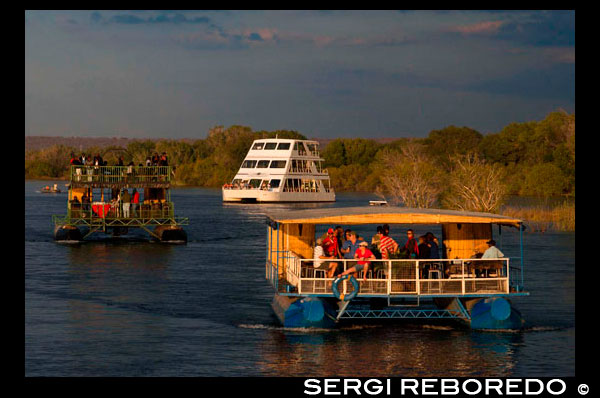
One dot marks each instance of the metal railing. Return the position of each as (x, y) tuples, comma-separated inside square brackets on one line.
[(439, 277), (107, 213), (116, 174)]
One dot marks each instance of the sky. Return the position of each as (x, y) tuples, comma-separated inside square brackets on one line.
[(326, 74)]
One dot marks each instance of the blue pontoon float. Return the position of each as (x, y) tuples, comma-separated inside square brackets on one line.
[(458, 286)]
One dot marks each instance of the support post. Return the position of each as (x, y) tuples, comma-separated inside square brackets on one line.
[(522, 265)]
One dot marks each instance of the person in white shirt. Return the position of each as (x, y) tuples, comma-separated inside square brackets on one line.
[(492, 251), (319, 256)]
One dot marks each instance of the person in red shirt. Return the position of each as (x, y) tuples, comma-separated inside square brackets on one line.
[(135, 202), (364, 257), (412, 246), (387, 245), (331, 245)]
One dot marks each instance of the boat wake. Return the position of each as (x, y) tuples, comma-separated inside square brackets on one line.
[(306, 330)]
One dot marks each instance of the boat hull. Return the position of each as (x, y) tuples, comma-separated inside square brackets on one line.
[(264, 196), (494, 313), (67, 233), (171, 234), (304, 312), (484, 313)]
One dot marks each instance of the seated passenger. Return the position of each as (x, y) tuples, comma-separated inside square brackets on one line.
[(492, 251), (364, 257), (319, 256)]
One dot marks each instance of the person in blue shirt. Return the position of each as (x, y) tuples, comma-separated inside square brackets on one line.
[(434, 252), (349, 248)]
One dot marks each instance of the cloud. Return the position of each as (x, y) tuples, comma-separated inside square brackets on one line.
[(164, 18), (485, 27)]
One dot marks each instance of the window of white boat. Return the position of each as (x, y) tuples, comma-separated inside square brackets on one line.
[(271, 145), (249, 164), (278, 164), (255, 183), (283, 146), (258, 146), (312, 148), (299, 146), (262, 164), (274, 183)]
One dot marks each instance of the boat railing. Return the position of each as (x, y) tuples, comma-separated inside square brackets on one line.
[(154, 209), (439, 277), (115, 174)]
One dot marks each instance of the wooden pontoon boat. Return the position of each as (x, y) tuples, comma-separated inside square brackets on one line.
[(93, 205), (457, 286)]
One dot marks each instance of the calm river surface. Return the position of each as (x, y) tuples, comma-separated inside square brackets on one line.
[(129, 307)]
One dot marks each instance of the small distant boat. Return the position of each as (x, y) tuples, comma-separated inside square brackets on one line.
[(54, 189), (378, 203)]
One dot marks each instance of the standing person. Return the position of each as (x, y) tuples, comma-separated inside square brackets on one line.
[(318, 257), (135, 202), (341, 237), (349, 248), (375, 240), (126, 199), (432, 242), (155, 159), (424, 250), (387, 245), (331, 245), (411, 244)]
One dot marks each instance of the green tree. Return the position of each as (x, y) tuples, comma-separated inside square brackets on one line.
[(545, 180)]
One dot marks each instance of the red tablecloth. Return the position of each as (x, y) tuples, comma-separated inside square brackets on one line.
[(101, 209)]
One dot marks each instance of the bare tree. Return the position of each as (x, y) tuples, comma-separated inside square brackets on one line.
[(409, 177), (474, 185)]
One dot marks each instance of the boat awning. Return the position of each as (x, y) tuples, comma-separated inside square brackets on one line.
[(387, 215)]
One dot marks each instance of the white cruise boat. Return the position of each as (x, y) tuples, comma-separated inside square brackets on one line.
[(281, 170)]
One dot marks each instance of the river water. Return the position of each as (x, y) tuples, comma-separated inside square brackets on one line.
[(129, 307)]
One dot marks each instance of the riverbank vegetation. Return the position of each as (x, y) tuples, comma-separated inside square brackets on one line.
[(454, 167)]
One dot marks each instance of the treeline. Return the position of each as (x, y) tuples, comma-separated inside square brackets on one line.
[(531, 158)]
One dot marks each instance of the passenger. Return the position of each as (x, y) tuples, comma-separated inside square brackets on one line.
[(155, 159), (432, 242), (135, 202), (411, 246), (375, 240), (331, 244), (319, 256), (75, 160), (492, 251), (347, 235), (126, 199), (387, 245), (364, 257), (148, 162), (340, 236), (424, 253), (349, 248), (424, 250), (120, 161)]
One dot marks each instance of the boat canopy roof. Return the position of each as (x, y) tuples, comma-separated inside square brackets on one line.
[(387, 215)]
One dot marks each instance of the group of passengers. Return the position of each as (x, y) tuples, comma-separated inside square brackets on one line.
[(122, 204), (88, 160), (348, 245)]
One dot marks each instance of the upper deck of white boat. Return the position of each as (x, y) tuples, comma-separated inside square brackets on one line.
[(283, 148)]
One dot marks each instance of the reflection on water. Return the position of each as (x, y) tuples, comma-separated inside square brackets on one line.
[(391, 349)]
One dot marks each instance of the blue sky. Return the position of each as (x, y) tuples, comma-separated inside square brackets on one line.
[(326, 74)]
